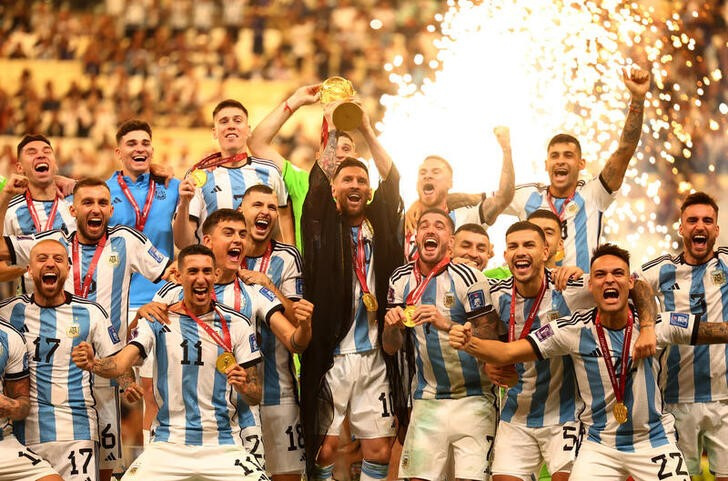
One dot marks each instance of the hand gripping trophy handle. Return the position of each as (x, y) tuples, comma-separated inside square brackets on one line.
[(346, 115)]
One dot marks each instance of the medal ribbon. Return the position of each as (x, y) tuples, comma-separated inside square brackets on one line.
[(416, 294), (141, 216), (224, 341), (238, 294), (264, 261), (216, 160), (559, 213), (79, 289), (34, 214), (360, 261), (617, 386), (531, 314)]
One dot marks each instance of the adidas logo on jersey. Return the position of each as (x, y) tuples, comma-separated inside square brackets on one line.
[(110, 457), (217, 189), (595, 353), (674, 287)]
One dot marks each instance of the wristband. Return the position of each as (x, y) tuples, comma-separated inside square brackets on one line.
[(287, 107)]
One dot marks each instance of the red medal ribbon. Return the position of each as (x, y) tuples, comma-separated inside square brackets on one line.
[(265, 260), (416, 294), (34, 214), (559, 213), (324, 133), (141, 216), (531, 314), (360, 261), (79, 289), (238, 294), (216, 160), (224, 341), (617, 386)]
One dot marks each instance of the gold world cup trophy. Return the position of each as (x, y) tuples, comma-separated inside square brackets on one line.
[(346, 115)]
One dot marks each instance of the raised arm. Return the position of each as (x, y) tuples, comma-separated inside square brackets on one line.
[(260, 142), (638, 82), (108, 367), (495, 352), (382, 160), (15, 403), (491, 207), (183, 228), (16, 184)]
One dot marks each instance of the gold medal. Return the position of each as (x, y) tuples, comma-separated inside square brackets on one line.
[(409, 314), (199, 177), (224, 361), (370, 302), (620, 413)]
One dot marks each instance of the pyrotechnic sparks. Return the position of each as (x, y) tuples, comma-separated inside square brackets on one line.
[(541, 68)]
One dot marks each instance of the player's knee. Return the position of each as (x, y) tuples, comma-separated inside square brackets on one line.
[(376, 452), (327, 453)]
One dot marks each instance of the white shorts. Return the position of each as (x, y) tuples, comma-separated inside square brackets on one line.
[(173, 462), (601, 463), (19, 462), (519, 450), (252, 438), (702, 426), (283, 439), (359, 386), (74, 460), (109, 408), (465, 425)]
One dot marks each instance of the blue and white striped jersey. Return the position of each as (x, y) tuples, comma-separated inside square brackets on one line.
[(693, 373), (18, 219), (256, 303), (126, 251), (158, 227), (545, 394), (460, 216), (13, 365), (364, 331), (583, 215), (61, 399), (197, 406), (225, 187), (285, 270), (460, 293), (647, 426)]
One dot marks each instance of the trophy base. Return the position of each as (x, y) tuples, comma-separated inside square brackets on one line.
[(347, 116)]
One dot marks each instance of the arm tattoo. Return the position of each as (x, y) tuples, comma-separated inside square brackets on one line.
[(126, 379), (105, 367), (297, 348), (615, 168), (486, 326), (644, 301), (491, 208), (18, 403), (253, 389), (712, 333), (327, 162)]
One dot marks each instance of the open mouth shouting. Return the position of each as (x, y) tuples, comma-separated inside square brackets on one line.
[(610, 294), (42, 167), (355, 199), (49, 279), (522, 266), (139, 159), (201, 293), (234, 254), (261, 224), (428, 189), (560, 173), (430, 245), (700, 241)]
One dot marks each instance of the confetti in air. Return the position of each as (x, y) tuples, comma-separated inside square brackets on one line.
[(542, 68)]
